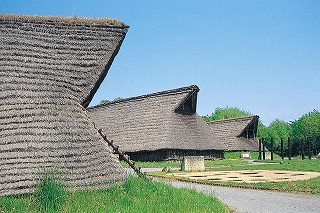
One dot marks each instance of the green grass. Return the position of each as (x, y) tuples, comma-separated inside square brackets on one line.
[(136, 195), (231, 159), (175, 164), (311, 186), (50, 194), (254, 155)]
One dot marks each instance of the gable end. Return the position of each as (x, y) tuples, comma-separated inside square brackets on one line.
[(189, 105)]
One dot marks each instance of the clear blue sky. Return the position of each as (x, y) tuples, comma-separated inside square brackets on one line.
[(260, 56)]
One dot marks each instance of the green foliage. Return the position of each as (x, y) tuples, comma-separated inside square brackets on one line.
[(237, 156), (306, 126), (225, 113), (262, 130), (136, 195), (50, 194), (118, 99), (276, 130), (104, 102), (22, 203)]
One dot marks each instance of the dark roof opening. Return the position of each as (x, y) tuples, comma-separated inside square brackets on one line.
[(189, 105), (251, 130)]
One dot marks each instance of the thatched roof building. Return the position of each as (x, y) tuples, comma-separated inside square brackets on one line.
[(236, 134), (50, 69), (158, 126)]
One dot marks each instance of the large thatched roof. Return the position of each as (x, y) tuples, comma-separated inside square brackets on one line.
[(50, 68), (163, 120), (237, 133)]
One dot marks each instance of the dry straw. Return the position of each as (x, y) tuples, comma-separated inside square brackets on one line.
[(50, 69)]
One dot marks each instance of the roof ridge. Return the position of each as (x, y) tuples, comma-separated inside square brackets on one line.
[(60, 20), (166, 92), (232, 119)]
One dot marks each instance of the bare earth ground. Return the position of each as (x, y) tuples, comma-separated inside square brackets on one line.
[(246, 200), (248, 176)]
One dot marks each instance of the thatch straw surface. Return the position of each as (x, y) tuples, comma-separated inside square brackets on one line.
[(50, 68), (150, 122), (236, 134)]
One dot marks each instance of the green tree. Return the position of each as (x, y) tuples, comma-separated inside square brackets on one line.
[(225, 113), (262, 130), (306, 126), (276, 130)]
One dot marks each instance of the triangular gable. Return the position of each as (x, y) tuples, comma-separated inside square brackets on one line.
[(188, 105), (236, 133), (250, 131)]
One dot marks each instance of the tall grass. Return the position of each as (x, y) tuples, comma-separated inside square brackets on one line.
[(51, 194), (136, 195)]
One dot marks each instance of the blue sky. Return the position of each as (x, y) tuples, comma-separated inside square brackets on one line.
[(260, 56)]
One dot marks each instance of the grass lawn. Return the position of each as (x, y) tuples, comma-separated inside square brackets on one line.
[(136, 195), (231, 159), (311, 186)]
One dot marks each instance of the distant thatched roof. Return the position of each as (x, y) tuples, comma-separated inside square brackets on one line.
[(237, 133), (50, 69), (163, 120)]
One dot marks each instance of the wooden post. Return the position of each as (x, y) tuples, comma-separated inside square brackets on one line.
[(289, 149), (259, 158), (302, 149), (317, 140), (309, 147), (282, 154), (123, 156), (271, 148), (263, 149)]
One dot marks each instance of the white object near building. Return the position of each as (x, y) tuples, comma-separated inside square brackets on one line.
[(193, 163), (245, 155)]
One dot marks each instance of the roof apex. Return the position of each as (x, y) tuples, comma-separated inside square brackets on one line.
[(188, 89), (250, 117), (57, 20)]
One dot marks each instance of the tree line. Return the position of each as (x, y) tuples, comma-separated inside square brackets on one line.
[(300, 131)]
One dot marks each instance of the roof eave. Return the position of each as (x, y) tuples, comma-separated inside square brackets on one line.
[(87, 101)]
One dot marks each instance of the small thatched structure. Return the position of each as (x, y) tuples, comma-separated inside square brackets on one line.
[(236, 134), (158, 126), (50, 68)]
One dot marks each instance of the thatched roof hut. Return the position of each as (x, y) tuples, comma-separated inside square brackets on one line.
[(158, 126), (236, 134), (50, 69)]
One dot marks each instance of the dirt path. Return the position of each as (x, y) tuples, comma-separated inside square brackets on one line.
[(246, 200)]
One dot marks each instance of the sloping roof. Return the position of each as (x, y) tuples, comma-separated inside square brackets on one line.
[(155, 121), (233, 134), (50, 68)]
